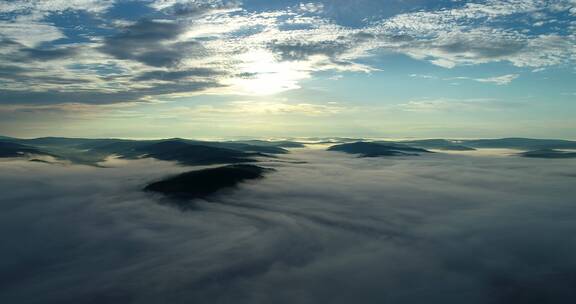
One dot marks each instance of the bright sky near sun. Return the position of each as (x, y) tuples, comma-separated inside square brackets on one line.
[(218, 68)]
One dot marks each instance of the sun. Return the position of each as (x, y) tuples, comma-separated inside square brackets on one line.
[(266, 76)]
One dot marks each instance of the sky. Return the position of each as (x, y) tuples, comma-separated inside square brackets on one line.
[(269, 68)]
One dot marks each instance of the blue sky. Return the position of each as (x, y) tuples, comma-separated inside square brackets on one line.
[(216, 68)]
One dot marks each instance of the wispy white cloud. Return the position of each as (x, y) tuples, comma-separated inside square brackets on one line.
[(473, 34), (268, 108), (29, 33), (455, 105), (423, 76), (499, 80), (311, 7), (36, 10)]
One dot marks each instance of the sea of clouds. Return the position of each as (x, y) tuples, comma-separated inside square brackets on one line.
[(437, 228)]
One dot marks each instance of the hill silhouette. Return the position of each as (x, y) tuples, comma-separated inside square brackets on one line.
[(10, 149), (548, 153), (189, 152), (520, 143), (439, 144), (374, 149), (206, 182)]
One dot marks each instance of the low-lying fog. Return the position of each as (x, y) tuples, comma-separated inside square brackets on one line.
[(435, 228)]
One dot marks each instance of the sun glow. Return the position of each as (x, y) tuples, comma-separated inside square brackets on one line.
[(262, 74)]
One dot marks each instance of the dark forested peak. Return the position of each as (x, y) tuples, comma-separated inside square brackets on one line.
[(206, 182)]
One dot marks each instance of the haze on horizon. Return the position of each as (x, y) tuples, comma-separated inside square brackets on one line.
[(254, 68)]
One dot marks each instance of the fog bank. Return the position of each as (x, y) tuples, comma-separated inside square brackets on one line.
[(337, 229)]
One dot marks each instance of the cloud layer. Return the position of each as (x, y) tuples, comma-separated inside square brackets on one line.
[(338, 229), (190, 47)]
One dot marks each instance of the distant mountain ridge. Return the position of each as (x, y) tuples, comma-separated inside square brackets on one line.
[(548, 153), (375, 149), (10, 149), (188, 152), (439, 144), (197, 152), (542, 148), (521, 143), (498, 143)]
